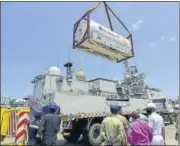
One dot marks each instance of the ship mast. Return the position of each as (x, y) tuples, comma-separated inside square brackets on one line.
[(68, 66), (127, 72)]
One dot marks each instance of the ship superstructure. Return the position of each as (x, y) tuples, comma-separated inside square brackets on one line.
[(52, 86)]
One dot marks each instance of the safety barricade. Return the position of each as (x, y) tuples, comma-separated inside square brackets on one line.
[(22, 127), (13, 117), (14, 123), (5, 113)]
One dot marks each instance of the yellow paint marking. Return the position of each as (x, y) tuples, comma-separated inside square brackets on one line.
[(66, 134)]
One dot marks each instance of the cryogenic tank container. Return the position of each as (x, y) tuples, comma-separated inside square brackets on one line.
[(96, 39)]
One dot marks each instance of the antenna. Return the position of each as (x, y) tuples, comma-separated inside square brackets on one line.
[(81, 65), (69, 54), (126, 67), (58, 59)]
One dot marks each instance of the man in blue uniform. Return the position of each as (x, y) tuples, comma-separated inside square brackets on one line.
[(33, 129), (50, 126)]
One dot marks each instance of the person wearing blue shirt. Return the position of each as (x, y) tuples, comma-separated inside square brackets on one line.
[(50, 126), (33, 129)]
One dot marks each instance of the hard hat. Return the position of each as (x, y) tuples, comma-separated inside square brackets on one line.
[(114, 106), (52, 105), (38, 113), (151, 105), (176, 106)]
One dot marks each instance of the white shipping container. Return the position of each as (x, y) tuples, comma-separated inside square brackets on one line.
[(102, 41), (109, 38)]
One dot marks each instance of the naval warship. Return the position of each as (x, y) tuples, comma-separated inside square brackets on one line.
[(86, 99)]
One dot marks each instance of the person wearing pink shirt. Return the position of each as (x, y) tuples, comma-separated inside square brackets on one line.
[(139, 132)]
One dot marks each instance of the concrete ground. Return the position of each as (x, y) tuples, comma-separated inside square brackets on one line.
[(170, 138), (170, 135), (8, 141)]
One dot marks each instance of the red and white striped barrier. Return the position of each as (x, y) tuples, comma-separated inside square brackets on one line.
[(22, 130)]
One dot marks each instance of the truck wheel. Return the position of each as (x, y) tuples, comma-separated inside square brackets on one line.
[(94, 135), (73, 135)]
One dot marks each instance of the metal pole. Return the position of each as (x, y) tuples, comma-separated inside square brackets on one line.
[(107, 13), (94, 7), (178, 120), (179, 124), (126, 67), (118, 18)]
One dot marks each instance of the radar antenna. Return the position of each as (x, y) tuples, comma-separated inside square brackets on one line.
[(127, 72), (82, 59), (58, 59), (130, 70), (68, 66)]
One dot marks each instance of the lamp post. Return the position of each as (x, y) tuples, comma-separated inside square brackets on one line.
[(179, 123)]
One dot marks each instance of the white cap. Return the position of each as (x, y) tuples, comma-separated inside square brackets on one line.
[(176, 106), (151, 105)]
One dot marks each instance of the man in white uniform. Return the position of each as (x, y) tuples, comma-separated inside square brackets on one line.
[(156, 124)]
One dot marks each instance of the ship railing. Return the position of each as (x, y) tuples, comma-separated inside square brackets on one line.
[(73, 92), (108, 95)]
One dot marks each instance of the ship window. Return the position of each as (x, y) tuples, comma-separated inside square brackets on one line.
[(119, 91)]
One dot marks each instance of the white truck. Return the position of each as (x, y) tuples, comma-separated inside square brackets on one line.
[(83, 103)]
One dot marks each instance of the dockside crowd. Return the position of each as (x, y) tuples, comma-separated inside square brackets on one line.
[(138, 130)]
